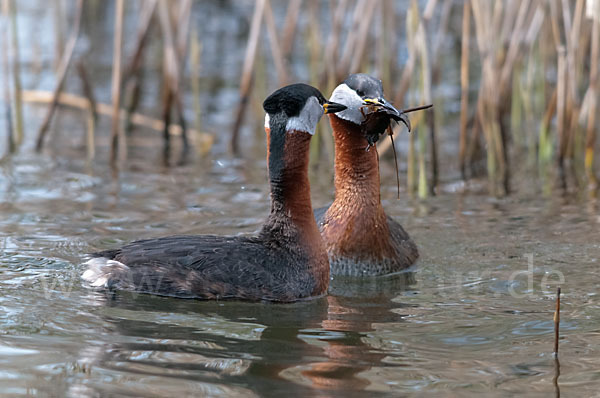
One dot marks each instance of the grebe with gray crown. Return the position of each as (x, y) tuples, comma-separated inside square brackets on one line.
[(361, 239), (286, 261)]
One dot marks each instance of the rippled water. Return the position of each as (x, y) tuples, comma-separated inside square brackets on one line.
[(474, 316)]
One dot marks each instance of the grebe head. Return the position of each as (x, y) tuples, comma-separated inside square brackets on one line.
[(299, 106), (362, 94)]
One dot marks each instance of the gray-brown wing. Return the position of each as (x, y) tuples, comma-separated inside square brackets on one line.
[(204, 266)]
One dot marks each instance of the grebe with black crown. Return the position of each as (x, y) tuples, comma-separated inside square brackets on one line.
[(285, 262), (361, 239)]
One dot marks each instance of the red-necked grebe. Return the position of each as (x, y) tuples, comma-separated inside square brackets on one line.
[(285, 262), (360, 238)]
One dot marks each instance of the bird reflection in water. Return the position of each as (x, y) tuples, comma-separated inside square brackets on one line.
[(309, 347)]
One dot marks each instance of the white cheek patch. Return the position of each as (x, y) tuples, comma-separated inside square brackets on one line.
[(346, 96), (308, 118), (267, 119)]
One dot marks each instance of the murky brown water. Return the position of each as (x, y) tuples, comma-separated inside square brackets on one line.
[(473, 316)]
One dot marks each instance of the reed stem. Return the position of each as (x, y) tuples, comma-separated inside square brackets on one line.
[(10, 139), (62, 73), (246, 82), (16, 73), (117, 136), (92, 114), (464, 88), (556, 322)]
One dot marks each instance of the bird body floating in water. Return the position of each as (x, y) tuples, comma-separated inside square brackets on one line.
[(285, 262), (361, 239)]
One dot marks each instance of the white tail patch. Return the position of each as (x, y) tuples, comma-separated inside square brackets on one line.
[(102, 272)]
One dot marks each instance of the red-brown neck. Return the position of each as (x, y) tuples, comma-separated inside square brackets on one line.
[(356, 168), (355, 223)]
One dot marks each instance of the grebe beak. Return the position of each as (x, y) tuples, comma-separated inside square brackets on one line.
[(388, 108), (402, 118), (333, 107)]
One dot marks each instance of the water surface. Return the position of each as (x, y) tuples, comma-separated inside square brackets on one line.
[(474, 316)]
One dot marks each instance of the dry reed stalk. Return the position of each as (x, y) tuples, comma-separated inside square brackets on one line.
[(573, 135), (560, 89), (525, 29), (527, 16), (316, 66), (183, 34), (289, 27), (79, 102), (195, 64), (141, 37), (488, 131), (62, 73), (514, 47), (556, 376), (386, 51), (556, 322), (92, 115), (574, 41), (58, 17), (560, 107), (464, 87), (379, 38), (523, 104), (390, 24), (276, 52), (554, 23), (313, 41), (497, 75), (440, 35), (183, 29), (16, 74), (331, 52), (429, 10), (6, 83), (246, 82), (88, 91), (343, 65), (556, 339), (426, 75), (413, 21), (422, 188), (363, 29), (545, 146), (510, 15), (172, 70), (483, 18), (410, 164), (117, 133), (590, 140), (434, 153), (260, 85), (412, 25), (573, 103), (535, 25), (132, 75), (313, 49)]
